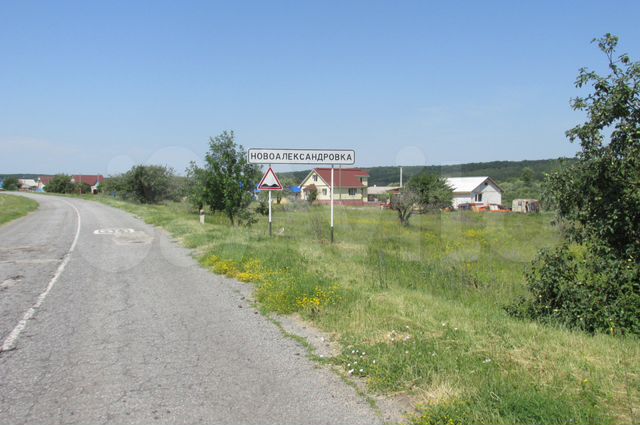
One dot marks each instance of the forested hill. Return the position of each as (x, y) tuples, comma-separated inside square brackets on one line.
[(498, 170)]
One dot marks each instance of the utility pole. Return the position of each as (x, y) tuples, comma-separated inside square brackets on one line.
[(401, 176)]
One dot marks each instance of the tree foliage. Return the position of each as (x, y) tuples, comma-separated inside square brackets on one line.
[(60, 183), (596, 286), (147, 184), (227, 180), (432, 191), (10, 183), (425, 192), (312, 193), (404, 204)]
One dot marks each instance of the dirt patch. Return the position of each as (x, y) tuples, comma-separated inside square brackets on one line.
[(324, 344)]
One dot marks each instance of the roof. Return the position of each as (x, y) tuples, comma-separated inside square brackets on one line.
[(468, 184), (91, 180), (379, 190), (28, 182), (342, 177)]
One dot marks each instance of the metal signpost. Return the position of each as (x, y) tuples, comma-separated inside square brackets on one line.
[(270, 183), (331, 157)]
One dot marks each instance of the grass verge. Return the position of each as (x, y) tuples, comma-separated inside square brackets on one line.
[(12, 207), (419, 311)]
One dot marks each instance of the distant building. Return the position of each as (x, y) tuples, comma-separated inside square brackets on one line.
[(92, 180), (525, 205), (381, 193), (475, 190), (27, 184), (350, 185)]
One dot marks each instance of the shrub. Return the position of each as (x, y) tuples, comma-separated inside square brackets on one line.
[(596, 286), (60, 183), (585, 288)]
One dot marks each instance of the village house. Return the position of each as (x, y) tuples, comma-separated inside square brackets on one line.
[(474, 191), (381, 194), (92, 180), (27, 184), (350, 185)]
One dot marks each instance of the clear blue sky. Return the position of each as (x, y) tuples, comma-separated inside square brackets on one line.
[(94, 87)]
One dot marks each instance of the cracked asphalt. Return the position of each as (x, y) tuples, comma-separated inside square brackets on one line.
[(135, 332)]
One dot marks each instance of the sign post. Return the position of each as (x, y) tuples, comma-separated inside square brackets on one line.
[(331, 157), (270, 183), (332, 204), (269, 213)]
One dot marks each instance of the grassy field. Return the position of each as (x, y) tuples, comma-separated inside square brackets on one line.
[(12, 207), (419, 311)]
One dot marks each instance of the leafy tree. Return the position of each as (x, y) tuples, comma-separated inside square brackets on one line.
[(286, 182), (432, 192), (10, 183), (312, 193), (404, 204), (148, 184), (527, 175), (226, 181), (263, 203), (82, 187), (592, 281), (114, 185), (60, 183)]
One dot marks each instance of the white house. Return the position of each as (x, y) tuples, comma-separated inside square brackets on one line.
[(27, 184), (474, 190)]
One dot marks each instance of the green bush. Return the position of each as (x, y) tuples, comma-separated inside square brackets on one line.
[(595, 285), (60, 183), (584, 288)]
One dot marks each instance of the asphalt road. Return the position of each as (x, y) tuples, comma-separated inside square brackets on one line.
[(133, 331)]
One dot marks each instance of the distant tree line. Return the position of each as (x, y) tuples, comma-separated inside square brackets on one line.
[(500, 171)]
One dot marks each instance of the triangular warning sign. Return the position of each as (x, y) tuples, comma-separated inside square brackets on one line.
[(269, 181)]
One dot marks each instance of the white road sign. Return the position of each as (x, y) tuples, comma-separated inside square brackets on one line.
[(301, 156)]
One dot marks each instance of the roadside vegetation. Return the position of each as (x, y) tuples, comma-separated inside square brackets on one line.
[(12, 207), (592, 280), (420, 310), (494, 318)]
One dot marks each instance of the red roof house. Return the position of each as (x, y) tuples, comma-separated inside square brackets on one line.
[(349, 185)]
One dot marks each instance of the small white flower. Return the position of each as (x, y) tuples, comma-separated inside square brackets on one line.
[(364, 354), (455, 329), (361, 370), (374, 362), (406, 352), (350, 371), (487, 360), (353, 351), (321, 356), (433, 354), (348, 364), (444, 324)]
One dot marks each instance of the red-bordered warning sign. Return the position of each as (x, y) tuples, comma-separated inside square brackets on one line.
[(270, 181)]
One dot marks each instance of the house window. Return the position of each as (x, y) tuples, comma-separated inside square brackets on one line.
[(324, 191), (478, 197), (315, 177), (352, 191)]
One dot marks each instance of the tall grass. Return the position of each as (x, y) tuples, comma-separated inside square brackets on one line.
[(12, 207), (419, 311)]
